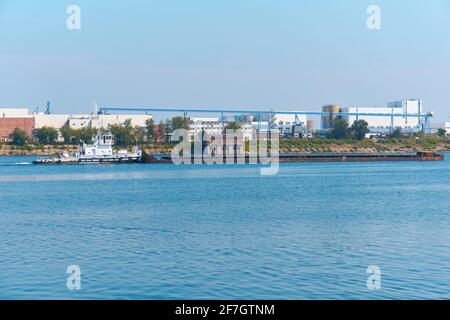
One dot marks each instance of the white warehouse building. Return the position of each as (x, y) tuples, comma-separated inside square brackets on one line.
[(104, 121), (57, 121), (379, 124), (434, 127), (214, 126), (15, 113), (250, 125)]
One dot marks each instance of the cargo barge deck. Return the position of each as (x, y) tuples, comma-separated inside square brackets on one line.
[(314, 157)]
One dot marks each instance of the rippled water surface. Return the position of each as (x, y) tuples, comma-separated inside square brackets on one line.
[(225, 232)]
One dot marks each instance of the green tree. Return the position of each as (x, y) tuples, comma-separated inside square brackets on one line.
[(69, 135), (19, 137), (139, 134), (77, 136), (359, 129), (150, 129), (167, 130), (441, 132), (46, 135), (127, 124), (123, 134), (397, 133), (232, 126), (179, 123), (340, 129), (85, 134), (161, 132)]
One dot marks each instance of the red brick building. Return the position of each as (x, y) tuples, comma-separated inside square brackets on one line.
[(7, 126)]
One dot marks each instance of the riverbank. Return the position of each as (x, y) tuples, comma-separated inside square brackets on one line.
[(288, 146), (31, 150)]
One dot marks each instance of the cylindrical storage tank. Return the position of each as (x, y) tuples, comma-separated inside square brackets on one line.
[(328, 120)]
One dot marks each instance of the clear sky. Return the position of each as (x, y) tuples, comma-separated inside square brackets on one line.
[(280, 54)]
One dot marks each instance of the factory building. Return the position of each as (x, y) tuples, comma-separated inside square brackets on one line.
[(12, 118), (211, 126), (434, 127), (251, 125), (8, 125), (214, 126), (14, 113), (379, 124), (104, 121), (291, 124), (56, 121)]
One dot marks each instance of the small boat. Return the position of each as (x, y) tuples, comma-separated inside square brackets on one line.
[(100, 151)]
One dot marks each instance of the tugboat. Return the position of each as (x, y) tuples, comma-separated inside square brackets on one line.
[(100, 151)]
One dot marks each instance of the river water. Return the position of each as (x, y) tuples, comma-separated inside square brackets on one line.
[(225, 232)]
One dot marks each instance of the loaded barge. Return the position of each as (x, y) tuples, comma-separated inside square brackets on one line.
[(316, 157)]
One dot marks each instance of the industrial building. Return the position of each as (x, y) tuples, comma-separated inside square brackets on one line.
[(8, 125), (12, 118), (250, 125), (15, 113), (410, 122), (103, 121), (56, 121), (215, 126), (211, 126), (434, 127), (406, 114), (332, 114), (295, 125)]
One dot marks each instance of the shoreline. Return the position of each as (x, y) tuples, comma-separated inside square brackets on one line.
[(306, 146)]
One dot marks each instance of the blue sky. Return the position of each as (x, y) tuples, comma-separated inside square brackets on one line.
[(285, 54)]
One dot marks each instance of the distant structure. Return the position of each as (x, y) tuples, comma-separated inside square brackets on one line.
[(434, 127), (15, 118), (12, 118), (407, 115), (251, 125), (329, 119), (103, 121), (378, 118)]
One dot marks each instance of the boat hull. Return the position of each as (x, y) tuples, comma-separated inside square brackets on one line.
[(106, 160)]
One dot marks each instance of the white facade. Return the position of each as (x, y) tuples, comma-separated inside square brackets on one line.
[(105, 121), (214, 126), (286, 122), (291, 119), (209, 125), (434, 127), (15, 113), (384, 124), (56, 121)]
